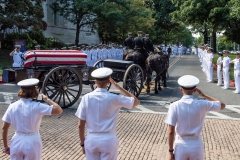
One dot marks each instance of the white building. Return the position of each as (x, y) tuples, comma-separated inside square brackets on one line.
[(63, 30)]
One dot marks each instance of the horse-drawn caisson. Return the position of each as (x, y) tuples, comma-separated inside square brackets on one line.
[(134, 69), (61, 73)]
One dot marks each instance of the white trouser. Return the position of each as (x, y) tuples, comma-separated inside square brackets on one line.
[(226, 77), (26, 147), (174, 54), (210, 72), (237, 80), (101, 146), (179, 54), (219, 76), (188, 148)]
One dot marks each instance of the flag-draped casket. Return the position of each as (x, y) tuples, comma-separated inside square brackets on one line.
[(54, 57)]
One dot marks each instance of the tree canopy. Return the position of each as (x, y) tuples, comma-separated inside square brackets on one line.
[(24, 14)]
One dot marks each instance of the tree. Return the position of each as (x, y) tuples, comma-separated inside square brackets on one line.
[(118, 18), (217, 15), (24, 14), (198, 41), (79, 12), (164, 27)]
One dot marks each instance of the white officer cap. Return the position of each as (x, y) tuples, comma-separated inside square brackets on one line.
[(28, 83), (188, 82), (102, 73), (37, 46), (18, 46), (225, 51)]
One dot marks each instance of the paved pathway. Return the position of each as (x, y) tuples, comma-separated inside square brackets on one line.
[(141, 137)]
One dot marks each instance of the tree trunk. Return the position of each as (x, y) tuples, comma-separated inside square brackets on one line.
[(214, 41), (77, 33), (205, 35)]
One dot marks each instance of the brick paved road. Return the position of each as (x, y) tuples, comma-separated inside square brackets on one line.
[(141, 137)]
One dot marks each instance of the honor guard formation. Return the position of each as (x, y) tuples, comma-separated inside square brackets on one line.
[(223, 66), (98, 110)]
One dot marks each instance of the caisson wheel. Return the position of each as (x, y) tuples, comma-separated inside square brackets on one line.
[(63, 85), (133, 79)]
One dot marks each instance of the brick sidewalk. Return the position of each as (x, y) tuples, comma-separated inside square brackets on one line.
[(141, 136)]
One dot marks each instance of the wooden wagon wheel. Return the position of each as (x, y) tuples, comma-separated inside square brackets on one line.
[(133, 79), (41, 78), (63, 85), (98, 64)]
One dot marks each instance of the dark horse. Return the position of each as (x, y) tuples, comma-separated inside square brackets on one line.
[(159, 64), (135, 56)]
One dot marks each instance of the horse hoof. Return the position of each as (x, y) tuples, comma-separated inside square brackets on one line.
[(165, 86), (156, 92), (159, 89), (148, 90)]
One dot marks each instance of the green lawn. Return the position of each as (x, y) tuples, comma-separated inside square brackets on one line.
[(232, 56)]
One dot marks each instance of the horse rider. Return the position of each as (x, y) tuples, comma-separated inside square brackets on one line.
[(148, 45), (129, 42), (139, 44)]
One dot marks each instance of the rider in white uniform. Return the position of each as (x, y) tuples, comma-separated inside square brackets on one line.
[(186, 117), (25, 117)]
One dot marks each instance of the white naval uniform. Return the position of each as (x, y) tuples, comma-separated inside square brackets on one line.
[(25, 117), (188, 116), (226, 61), (210, 57), (100, 109), (17, 59), (219, 71), (180, 51), (237, 75)]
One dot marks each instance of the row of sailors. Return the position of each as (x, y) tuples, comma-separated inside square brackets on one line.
[(102, 52), (223, 66), (94, 54)]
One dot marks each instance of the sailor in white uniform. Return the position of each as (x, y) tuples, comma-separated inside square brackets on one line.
[(181, 118), (17, 56), (180, 51), (226, 69), (210, 63), (25, 117), (99, 110), (219, 69), (236, 63)]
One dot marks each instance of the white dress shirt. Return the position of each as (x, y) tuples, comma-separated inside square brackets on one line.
[(188, 115), (100, 109)]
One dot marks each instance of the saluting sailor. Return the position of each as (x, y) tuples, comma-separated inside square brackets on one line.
[(37, 47), (236, 63), (186, 117), (25, 117), (99, 110), (17, 56)]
